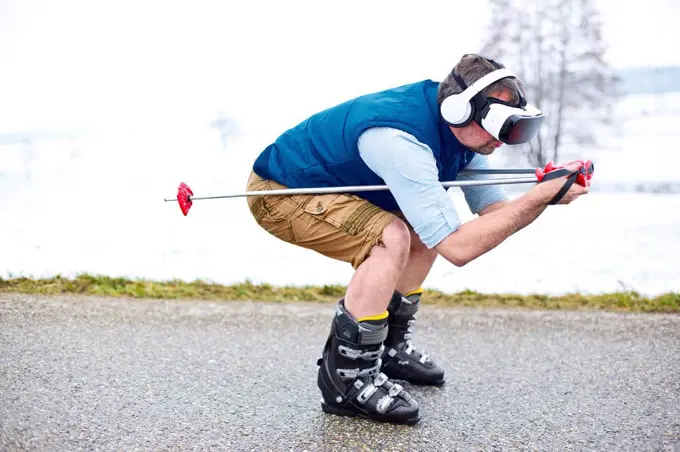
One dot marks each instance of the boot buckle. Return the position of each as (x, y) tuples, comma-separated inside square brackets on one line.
[(347, 374), (350, 374), (353, 353), (395, 390), (384, 403), (366, 394), (380, 379)]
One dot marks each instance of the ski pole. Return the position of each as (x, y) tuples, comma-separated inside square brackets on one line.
[(499, 171), (185, 196)]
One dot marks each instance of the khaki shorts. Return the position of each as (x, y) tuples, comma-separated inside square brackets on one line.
[(341, 226)]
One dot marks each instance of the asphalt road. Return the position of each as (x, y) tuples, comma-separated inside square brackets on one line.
[(112, 374)]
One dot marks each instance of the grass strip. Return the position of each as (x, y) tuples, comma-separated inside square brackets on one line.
[(98, 285)]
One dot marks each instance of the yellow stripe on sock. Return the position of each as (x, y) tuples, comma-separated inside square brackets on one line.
[(374, 317), (413, 292)]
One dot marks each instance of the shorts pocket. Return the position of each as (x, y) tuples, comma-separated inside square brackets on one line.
[(279, 208), (320, 204), (274, 218), (322, 207), (350, 214)]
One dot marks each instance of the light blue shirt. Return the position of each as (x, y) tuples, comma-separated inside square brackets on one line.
[(410, 171)]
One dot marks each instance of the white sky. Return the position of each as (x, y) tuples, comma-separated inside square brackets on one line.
[(78, 64)]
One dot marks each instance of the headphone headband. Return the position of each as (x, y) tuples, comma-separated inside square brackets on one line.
[(483, 82), (460, 81), (459, 109)]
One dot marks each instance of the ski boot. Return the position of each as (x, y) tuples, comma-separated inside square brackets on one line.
[(349, 374), (401, 360)]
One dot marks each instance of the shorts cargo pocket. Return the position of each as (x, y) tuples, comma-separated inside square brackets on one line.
[(274, 214), (350, 214), (279, 207), (322, 208)]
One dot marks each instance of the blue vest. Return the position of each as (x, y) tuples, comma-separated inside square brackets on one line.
[(322, 150)]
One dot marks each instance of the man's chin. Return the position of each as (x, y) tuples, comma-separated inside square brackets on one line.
[(485, 150)]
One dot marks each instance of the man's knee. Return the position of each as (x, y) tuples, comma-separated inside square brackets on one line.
[(396, 238)]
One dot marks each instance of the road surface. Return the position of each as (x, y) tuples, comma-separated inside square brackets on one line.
[(85, 373)]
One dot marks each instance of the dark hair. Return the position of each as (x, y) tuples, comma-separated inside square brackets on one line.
[(471, 68)]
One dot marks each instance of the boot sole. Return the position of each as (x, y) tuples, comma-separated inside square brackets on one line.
[(330, 409), (425, 382), (416, 382)]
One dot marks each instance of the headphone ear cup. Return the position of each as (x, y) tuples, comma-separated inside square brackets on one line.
[(456, 111)]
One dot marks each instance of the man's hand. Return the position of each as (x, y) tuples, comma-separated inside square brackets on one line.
[(546, 190), (478, 236), (482, 234)]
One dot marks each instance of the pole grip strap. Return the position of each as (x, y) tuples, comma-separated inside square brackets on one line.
[(567, 185)]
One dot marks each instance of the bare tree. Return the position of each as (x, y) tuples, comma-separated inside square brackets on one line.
[(556, 48)]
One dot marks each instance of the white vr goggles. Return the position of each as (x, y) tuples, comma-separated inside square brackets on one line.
[(510, 124)]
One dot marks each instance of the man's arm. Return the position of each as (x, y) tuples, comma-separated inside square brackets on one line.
[(483, 234), (410, 171), (493, 207)]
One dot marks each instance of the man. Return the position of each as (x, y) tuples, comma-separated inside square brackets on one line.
[(409, 138)]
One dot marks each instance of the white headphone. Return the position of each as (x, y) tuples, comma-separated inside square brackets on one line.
[(459, 109)]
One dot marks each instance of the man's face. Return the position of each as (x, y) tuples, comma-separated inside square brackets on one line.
[(474, 137)]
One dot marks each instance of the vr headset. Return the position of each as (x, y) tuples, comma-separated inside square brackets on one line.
[(510, 124)]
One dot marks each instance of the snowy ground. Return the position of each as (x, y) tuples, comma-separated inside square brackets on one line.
[(92, 201)]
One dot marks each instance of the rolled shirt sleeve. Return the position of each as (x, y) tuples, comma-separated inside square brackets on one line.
[(410, 171)]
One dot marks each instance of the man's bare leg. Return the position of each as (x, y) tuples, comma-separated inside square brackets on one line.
[(349, 372), (418, 265), (402, 360), (374, 281)]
